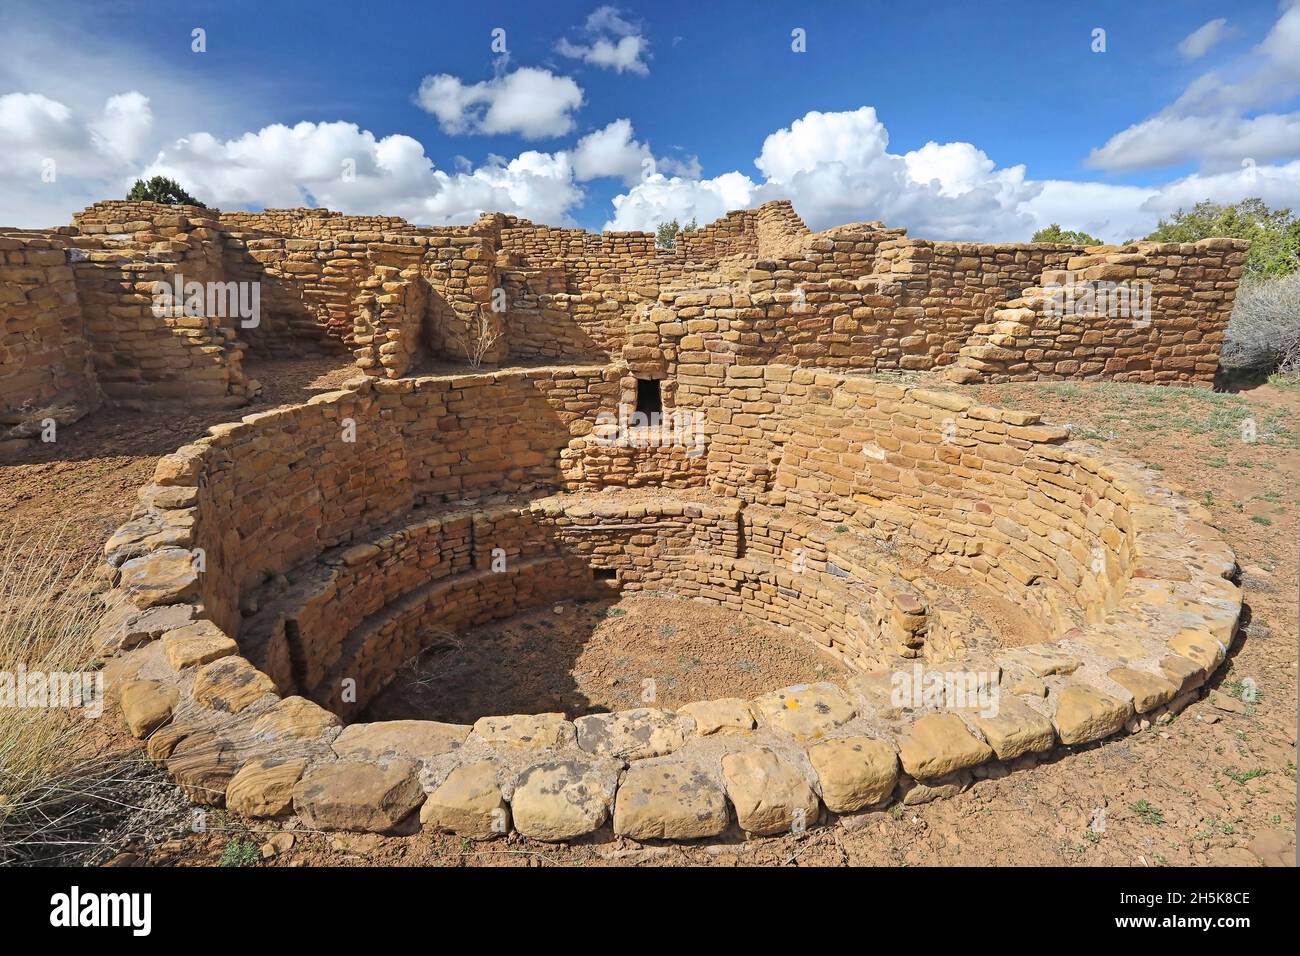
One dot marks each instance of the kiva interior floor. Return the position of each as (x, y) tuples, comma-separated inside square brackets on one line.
[(638, 650)]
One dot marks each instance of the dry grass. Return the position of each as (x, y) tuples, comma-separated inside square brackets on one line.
[(48, 614)]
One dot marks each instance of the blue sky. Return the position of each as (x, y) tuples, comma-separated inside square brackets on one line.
[(958, 121)]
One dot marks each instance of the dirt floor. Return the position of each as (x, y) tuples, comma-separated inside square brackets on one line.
[(598, 656), (1217, 786)]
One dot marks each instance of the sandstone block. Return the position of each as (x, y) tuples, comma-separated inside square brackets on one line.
[(1015, 729), (230, 684), (632, 734), (854, 772), (728, 715), (264, 787), (200, 642), (468, 803), (535, 731), (408, 739), (939, 744), (147, 705), (563, 799), (669, 801), (358, 795), (806, 711), (770, 796), (1084, 714)]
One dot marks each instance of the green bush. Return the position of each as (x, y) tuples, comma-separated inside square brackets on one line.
[(163, 190), (1070, 237), (666, 234), (1274, 234)]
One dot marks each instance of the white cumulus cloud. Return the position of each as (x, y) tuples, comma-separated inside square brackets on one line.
[(57, 159), (610, 42), (836, 167), (344, 167), (1216, 120), (612, 151), (530, 101)]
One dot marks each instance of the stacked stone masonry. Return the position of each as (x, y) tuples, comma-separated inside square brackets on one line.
[(460, 499), (754, 287)]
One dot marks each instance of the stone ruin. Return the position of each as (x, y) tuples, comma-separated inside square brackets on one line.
[(277, 572), (82, 325)]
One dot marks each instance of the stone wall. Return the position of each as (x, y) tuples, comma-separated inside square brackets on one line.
[(326, 561), (755, 287), (45, 364), (1149, 312)]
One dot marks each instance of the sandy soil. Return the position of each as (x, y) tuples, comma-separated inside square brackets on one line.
[(1217, 786), (598, 656)]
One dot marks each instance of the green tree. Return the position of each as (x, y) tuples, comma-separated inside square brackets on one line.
[(666, 234), (163, 190), (1069, 237), (1274, 234)]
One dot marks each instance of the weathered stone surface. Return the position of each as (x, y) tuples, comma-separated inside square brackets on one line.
[(563, 799), (468, 803), (200, 642), (632, 734), (1015, 729), (1200, 646), (1043, 661), (936, 788), (373, 797), (728, 715), (165, 576), (203, 765), (770, 796), (163, 741), (533, 731), (1084, 714), (264, 787), (125, 627), (806, 711), (147, 705), (939, 744), (1149, 690), (669, 801), (230, 684), (854, 772), (1183, 673), (295, 718), (411, 739)]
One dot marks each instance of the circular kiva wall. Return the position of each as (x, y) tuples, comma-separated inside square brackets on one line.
[(280, 570)]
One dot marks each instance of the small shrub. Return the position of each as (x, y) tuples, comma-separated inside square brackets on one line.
[(477, 339), (1264, 332), (163, 190), (239, 853), (666, 234), (1148, 814)]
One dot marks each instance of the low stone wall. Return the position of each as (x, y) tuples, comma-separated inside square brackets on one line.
[(1152, 618), (1149, 312)]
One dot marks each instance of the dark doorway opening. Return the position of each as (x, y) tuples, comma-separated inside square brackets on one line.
[(649, 396)]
